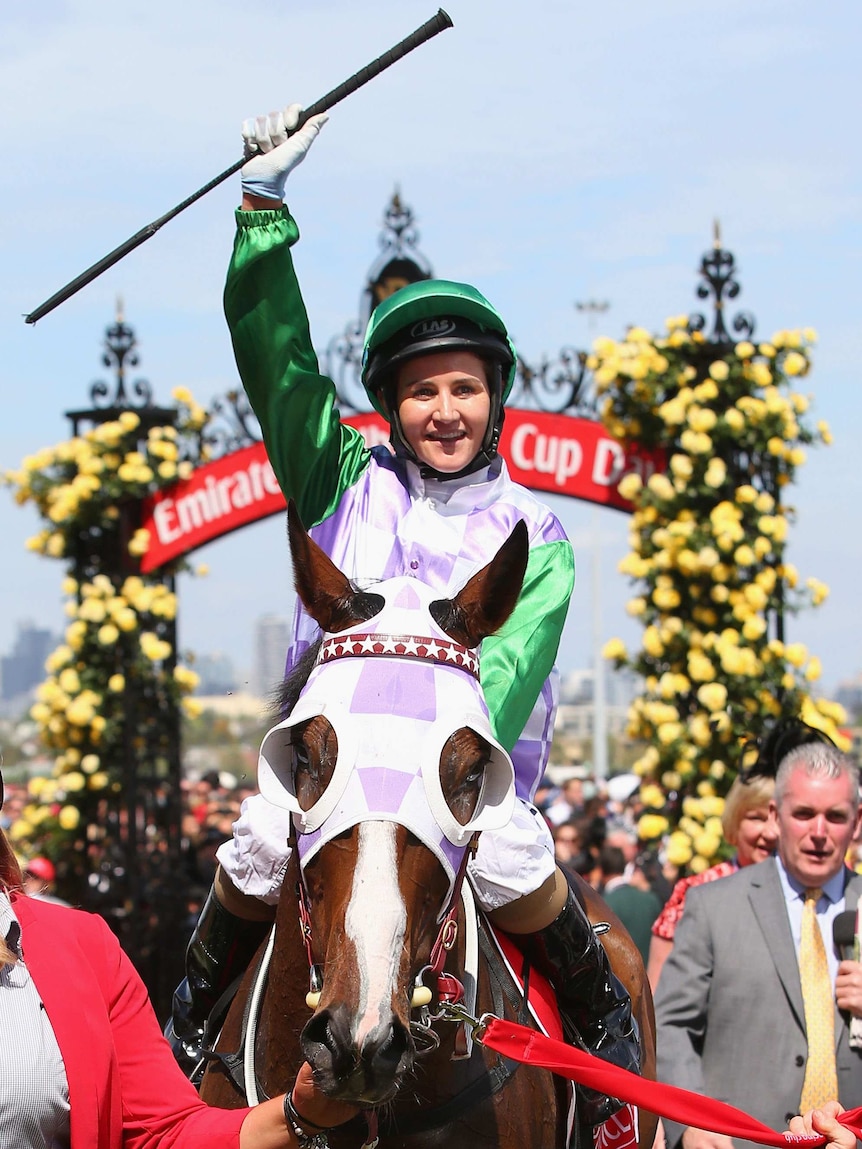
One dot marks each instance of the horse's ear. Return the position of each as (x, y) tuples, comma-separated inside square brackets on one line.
[(484, 604), (327, 594)]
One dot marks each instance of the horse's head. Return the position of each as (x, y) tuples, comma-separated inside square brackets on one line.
[(389, 766)]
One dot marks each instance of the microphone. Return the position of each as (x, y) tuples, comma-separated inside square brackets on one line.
[(844, 935)]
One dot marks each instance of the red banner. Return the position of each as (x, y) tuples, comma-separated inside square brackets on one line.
[(553, 453)]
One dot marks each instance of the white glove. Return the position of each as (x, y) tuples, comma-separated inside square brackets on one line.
[(273, 153)]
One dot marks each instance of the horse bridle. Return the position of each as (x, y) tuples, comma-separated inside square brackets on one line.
[(450, 991)]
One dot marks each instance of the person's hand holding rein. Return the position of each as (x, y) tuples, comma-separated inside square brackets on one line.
[(273, 154), (267, 1125), (824, 1121)]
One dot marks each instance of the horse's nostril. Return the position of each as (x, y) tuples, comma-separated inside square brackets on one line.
[(326, 1042), (388, 1050)]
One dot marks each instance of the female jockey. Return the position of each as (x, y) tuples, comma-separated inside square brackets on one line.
[(438, 365)]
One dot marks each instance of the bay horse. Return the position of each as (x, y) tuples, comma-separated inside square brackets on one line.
[(389, 768)]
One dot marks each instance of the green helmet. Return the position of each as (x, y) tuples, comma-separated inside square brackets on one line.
[(432, 316), (413, 321)]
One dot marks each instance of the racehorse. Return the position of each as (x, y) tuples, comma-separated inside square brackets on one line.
[(389, 767)]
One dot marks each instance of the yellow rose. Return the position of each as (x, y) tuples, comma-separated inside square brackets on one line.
[(796, 653), (660, 485), (695, 442), (666, 598), (629, 486), (712, 696), (678, 850), (652, 797), (139, 543), (80, 712), (700, 668), (719, 370), (716, 473), (69, 680), (819, 590), (699, 731), (192, 707), (615, 648), (754, 628), (69, 817), (701, 419), (681, 466), (651, 827), (669, 732), (795, 364), (652, 643), (707, 845)]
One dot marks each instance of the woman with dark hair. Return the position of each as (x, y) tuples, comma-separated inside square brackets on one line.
[(83, 1063)]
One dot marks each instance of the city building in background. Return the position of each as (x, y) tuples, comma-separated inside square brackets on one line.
[(217, 674), (271, 637), (849, 695), (24, 668)]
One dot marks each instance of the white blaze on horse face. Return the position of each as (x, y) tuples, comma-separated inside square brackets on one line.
[(376, 921)]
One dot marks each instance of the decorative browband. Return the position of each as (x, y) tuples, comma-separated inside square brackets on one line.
[(400, 646)]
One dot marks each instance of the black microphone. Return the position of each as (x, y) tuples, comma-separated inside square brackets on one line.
[(844, 935)]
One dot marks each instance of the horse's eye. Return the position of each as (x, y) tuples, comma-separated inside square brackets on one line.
[(314, 750), (462, 771), (476, 774)]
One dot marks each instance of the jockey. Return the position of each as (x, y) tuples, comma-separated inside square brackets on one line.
[(438, 364)]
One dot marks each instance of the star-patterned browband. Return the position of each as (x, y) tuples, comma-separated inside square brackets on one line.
[(400, 646)]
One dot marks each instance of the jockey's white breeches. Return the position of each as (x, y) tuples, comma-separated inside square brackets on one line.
[(509, 863)]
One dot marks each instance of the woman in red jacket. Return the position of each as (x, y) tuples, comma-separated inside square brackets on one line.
[(83, 1062)]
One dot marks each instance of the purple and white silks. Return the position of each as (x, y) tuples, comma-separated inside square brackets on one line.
[(392, 715), (391, 522)]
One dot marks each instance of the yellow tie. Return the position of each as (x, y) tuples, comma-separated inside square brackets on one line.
[(821, 1081)]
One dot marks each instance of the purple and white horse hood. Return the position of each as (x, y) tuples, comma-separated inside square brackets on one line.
[(394, 688)]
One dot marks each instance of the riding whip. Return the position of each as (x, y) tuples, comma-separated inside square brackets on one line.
[(430, 28)]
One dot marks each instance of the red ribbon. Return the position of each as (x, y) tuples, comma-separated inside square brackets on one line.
[(681, 1105)]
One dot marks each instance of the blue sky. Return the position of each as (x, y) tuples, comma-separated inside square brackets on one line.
[(553, 153)]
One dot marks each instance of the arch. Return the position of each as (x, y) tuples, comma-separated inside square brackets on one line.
[(556, 453)]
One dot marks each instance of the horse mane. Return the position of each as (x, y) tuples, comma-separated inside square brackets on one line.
[(285, 696)]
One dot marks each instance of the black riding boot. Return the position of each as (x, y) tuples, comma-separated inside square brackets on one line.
[(221, 947), (596, 1009)]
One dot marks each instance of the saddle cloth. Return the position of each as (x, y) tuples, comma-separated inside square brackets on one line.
[(619, 1131)]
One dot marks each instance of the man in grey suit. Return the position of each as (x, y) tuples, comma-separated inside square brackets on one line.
[(729, 1006)]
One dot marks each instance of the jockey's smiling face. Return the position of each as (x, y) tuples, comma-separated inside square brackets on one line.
[(444, 406)]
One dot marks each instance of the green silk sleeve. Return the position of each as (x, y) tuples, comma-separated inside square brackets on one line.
[(314, 455), (517, 660)]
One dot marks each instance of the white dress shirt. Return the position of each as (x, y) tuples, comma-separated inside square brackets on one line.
[(34, 1092)]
